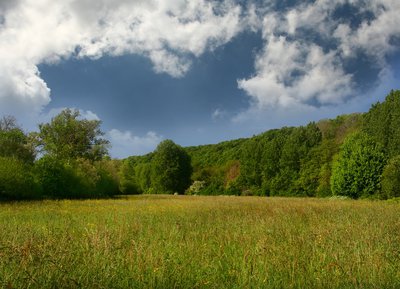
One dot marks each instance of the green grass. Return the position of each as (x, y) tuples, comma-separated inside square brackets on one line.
[(200, 242)]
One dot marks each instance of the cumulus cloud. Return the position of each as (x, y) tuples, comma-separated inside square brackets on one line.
[(307, 48), (376, 37), (294, 72), (125, 143), (303, 62), (168, 32)]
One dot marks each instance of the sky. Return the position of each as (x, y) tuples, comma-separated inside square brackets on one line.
[(197, 71)]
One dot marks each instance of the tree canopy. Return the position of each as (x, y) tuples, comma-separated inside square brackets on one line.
[(358, 169), (171, 169), (14, 142), (355, 155), (69, 137)]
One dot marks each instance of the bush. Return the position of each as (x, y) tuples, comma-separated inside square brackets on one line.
[(196, 187), (16, 180), (358, 168), (74, 179), (108, 182), (57, 179)]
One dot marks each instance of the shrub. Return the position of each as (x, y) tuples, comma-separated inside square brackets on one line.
[(16, 180), (358, 168), (108, 182), (196, 187), (57, 178), (67, 179)]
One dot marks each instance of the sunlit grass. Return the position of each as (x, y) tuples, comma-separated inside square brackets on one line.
[(206, 242)]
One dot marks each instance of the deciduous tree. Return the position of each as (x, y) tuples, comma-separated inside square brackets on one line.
[(68, 136), (171, 168)]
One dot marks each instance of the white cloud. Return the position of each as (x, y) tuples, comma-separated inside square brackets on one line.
[(290, 72), (168, 32), (293, 68), (300, 64), (22, 91), (375, 36), (124, 143)]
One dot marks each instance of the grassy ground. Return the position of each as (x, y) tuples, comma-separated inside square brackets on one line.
[(200, 242)]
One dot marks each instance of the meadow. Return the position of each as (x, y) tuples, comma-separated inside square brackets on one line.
[(200, 242)]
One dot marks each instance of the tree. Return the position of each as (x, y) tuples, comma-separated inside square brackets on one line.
[(250, 163), (128, 180), (171, 168), (13, 141), (382, 122), (391, 179), (358, 168), (69, 137)]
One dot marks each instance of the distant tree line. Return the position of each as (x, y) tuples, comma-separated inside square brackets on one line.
[(356, 155)]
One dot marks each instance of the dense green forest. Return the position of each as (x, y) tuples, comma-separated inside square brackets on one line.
[(356, 155)]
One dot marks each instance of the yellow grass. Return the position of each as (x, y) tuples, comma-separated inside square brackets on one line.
[(200, 242)]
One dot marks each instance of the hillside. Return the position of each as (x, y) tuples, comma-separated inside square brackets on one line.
[(291, 161), (355, 155)]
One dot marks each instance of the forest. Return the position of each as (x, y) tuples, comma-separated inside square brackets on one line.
[(356, 156)]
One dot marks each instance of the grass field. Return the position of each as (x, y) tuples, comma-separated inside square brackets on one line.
[(200, 242)]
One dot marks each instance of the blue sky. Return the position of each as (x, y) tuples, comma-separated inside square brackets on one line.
[(195, 71)]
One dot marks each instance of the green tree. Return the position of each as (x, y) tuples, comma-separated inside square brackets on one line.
[(271, 159), (69, 137), (293, 158), (128, 180), (391, 179), (13, 141), (382, 122), (250, 163), (17, 180), (358, 168), (171, 168), (109, 178)]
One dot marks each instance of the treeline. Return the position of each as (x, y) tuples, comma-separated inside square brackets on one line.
[(356, 155), (66, 158)]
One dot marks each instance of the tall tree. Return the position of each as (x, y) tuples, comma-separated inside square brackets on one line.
[(171, 169), (382, 122), (69, 137)]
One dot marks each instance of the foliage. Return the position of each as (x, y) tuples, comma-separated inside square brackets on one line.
[(108, 183), (128, 180), (79, 178), (13, 141), (307, 160), (68, 137), (56, 177), (171, 168), (382, 122), (17, 180), (391, 179), (357, 170), (196, 187)]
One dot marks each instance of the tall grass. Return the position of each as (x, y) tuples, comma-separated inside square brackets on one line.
[(200, 242)]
